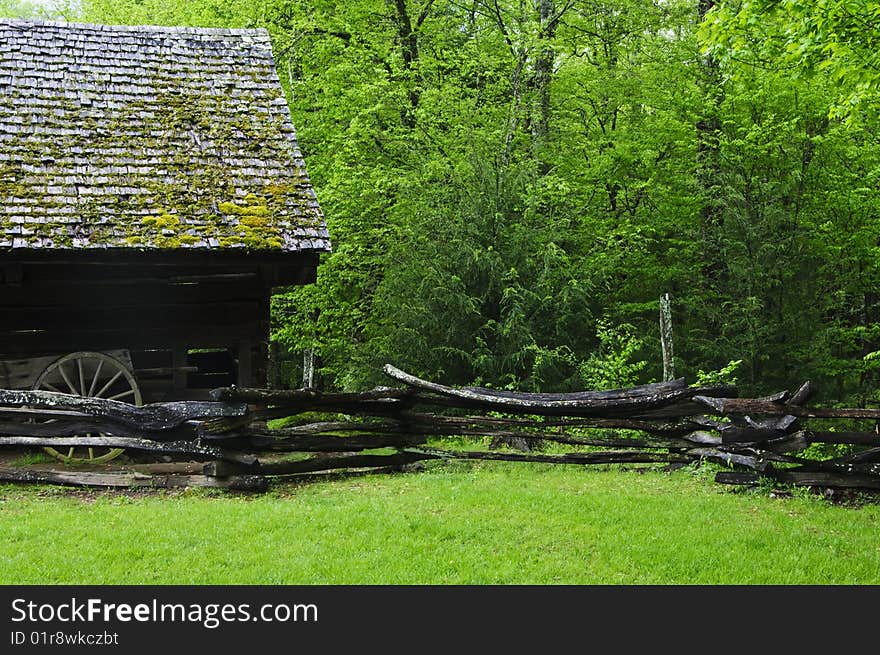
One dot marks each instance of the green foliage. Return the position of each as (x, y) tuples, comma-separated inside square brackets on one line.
[(613, 366), (724, 375), (20, 9), (838, 40)]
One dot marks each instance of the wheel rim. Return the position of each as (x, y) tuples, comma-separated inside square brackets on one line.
[(92, 375)]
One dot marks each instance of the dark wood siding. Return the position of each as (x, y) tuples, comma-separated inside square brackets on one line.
[(190, 323)]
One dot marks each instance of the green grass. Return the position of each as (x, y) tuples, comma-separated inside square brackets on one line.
[(453, 523)]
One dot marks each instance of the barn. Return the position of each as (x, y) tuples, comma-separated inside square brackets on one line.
[(152, 198)]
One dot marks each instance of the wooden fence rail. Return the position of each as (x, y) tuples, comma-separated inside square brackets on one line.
[(665, 423)]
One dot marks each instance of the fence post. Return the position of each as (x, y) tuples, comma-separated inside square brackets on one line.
[(666, 337), (308, 368)]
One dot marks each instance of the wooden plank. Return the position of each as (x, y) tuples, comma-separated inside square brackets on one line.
[(62, 341), (116, 291), (97, 315), (244, 360), (185, 258), (178, 362), (164, 372)]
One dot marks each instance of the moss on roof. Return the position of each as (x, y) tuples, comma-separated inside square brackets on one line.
[(148, 137)]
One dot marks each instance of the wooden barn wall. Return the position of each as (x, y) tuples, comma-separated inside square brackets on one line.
[(160, 312)]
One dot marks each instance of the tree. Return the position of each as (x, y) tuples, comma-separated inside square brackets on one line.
[(837, 39), (20, 9)]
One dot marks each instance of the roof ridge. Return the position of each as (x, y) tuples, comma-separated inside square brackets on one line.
[(167, 29)]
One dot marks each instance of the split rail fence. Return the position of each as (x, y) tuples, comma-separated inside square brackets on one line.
[(227, 442)]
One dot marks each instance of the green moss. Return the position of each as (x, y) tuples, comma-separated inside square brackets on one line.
[(162, 221), (251, 209), (254, 221)]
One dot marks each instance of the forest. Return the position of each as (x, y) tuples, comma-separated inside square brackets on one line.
[(511, 185)]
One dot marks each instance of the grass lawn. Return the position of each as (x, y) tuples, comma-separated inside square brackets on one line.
[(465, 523)]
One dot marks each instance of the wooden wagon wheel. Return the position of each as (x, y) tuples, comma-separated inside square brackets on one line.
[(94, 375)]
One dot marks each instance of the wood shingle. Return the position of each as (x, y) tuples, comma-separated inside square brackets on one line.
[(152, 138)]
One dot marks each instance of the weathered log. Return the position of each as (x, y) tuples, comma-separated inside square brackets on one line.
[(703, 437), (778, 397), (652, 427), (329, 443), (305, 397), (577, 406), (610, 457), (753, 406), (790, 443), (157, 416), (828, 479), (170, 447), (70, 427), (737, 477), (762, 455), (314, 464), (286, 439), (556, 437), (167, 468), (729, 458), (279, 404), (802, 394), (132, 480), (735, 434), (223, 469), (786, 423), (839, 467), (844, 437), (680, 409), (870, 455), (330, 427), (611, 394)]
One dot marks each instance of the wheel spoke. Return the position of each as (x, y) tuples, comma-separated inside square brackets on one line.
[(70, 452), (130, 392), (52, 387), (91, 453), (109, 384), (67, 380), (82, 379), (95, 379)]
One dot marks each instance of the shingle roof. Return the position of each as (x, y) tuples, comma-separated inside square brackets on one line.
[(148, 137)]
